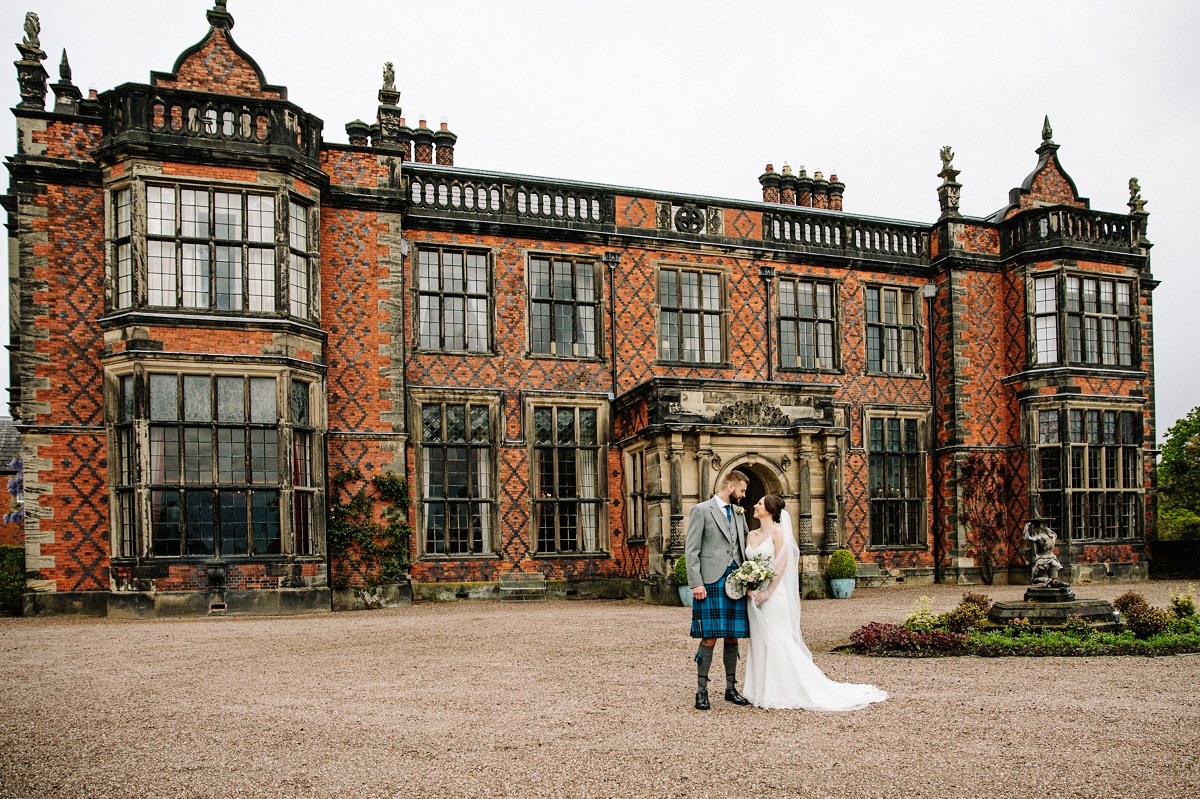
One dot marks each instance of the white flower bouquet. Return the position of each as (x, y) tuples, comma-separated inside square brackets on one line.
[(754, 573)]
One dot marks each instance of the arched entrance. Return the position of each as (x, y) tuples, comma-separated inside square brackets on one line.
[(760, 484)]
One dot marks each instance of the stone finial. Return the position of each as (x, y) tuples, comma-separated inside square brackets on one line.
[(1137, 208), (1047, 133), (388, 96), (33, 27), (31, 75), (66, 94), (1136, 204), (219, 16), (950, 192)]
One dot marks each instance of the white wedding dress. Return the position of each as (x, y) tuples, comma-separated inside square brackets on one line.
[(780, 672)]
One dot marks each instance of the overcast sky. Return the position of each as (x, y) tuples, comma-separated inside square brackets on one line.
[(697, 97)]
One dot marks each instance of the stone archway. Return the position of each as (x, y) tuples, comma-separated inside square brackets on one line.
[(762, 482)]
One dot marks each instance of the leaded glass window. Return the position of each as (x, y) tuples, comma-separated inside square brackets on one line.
[(567, 500), (897, 478), (564, 309), (457, 450)]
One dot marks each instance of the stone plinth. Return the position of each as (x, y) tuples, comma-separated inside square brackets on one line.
[(1096, 612), (1042, 593)]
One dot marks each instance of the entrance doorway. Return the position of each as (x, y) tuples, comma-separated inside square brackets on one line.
[(757, 488)]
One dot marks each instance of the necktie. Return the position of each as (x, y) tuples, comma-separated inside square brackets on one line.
[(729, 513)]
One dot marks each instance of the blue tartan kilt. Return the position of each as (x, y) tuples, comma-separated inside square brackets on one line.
[(718, 616)]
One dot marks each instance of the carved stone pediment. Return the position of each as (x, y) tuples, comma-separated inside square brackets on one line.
[(753, 413)]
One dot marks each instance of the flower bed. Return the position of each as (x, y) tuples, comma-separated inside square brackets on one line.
[(965, 631)]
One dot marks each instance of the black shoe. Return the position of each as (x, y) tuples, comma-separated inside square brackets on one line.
[(732, 695), (702, 700)]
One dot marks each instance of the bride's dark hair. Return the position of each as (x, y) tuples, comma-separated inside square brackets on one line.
[(774, 505)]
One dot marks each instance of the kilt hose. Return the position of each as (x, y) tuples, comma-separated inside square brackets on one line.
[(718, 616)]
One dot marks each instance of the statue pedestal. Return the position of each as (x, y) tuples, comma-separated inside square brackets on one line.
[(1055, 609), (1042, 593)]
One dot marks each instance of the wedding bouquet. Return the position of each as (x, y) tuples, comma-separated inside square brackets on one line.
[(750, 576)]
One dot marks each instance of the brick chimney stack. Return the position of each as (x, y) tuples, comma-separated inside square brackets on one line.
[(770, 184), (787, 183), (836, 187), (445, 144), (820, 191), (423, 138), (804, 186)]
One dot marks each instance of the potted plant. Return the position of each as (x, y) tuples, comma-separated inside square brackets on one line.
[(841, 570), (680, 575)]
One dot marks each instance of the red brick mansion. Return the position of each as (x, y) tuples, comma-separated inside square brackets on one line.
[(224, 325)]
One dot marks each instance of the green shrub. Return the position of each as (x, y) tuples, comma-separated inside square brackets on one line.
[(12, 579), (1184, 605), (841, 565), (1146, 621), (963, 618), (921, 620), (1188, 625), (680, 572), (982, 601), (1129, 600), (1077, 627)]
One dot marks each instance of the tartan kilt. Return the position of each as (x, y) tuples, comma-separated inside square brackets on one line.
[(718, 616)]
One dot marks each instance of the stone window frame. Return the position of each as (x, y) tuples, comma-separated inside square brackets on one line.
[(832, 321), (637, 506), (1066, 328), (715, 316), (1086, 465), (490, 521), (914, 328), (128, 424), (130, 241), (421, 292), (533, 401), (912, 425), (576, 305)]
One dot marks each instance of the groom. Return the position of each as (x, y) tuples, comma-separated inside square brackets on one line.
[(716, 541)]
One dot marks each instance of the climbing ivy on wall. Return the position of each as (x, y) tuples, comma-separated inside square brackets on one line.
[(372, 544)]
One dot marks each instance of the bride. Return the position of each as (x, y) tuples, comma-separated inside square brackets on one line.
[(780, 672)]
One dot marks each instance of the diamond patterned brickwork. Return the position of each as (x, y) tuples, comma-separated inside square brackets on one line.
[(508, 368), (975, 238), (352, 167), (635, 212), (74, 140), (357, 313), (217, 66), (65, 306), (985, 408), (69, 545), (1050, 186), (360, 312)]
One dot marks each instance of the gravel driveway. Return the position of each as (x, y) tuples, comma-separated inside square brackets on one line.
[(566, 698)]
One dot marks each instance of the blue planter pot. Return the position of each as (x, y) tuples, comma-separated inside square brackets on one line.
[(842, 588), (685, 595)]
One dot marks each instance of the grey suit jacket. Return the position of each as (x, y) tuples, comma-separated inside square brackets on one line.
[(712, 542)]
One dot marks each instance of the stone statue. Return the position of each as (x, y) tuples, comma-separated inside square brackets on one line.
[(947, 156), (33, 27), (389, 76), (1045, 565)]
